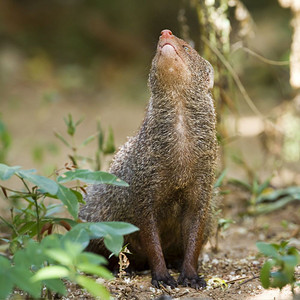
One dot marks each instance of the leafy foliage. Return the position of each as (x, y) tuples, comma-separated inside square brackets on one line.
[(282, 259), (105, 146), (39, 262)]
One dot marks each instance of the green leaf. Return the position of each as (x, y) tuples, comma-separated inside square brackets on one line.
[(265, 273), (91, 177), (277, 194), (92, 258), (6, 172), (220, 179), (51, 241), (95, 270), (279, 280), (6, 283), (50, 272), (60, 256), (100, 136), (89, 139), (22, 279), (267, 249), (93, 287), (110, 143), (241, 183), (117, 228), (263, 186), (78, 235), (69, 199), (60, 137), (114, 243), (56, 286), (290, 260), (264, 208), (44, 183)]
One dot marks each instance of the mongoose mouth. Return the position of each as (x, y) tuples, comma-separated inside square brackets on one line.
[(167, 45)]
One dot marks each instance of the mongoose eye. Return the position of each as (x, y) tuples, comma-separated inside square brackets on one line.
[(186, 48)]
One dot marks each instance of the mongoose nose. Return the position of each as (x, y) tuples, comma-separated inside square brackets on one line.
[(166, 33)]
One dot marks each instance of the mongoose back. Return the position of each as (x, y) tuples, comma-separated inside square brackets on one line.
[(169, 166)]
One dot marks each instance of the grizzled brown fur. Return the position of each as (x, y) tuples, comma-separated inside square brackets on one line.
[(169, 165)]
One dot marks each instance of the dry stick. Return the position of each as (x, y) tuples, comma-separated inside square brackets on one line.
[(250, 279), (237, 279), (238, 82)]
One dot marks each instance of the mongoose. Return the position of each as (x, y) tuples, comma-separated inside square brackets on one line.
[(169, 166)]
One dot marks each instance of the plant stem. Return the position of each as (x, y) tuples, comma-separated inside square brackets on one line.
[(37, 217)]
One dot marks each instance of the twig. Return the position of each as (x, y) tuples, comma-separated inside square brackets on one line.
[(250, 279), (262, 58), (237, 279)]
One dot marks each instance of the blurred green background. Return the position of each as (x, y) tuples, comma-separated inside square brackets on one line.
[(92, 58)]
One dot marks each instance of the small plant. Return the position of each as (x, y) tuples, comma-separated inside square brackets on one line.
[(105, 146), (5, 141), (256, 189), (279, 270), (223, 225), (36, 261)]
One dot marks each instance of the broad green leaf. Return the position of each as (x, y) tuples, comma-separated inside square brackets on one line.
[(114, 243), (69, 199), (279, 280), (91, 177), (6, 285), (77, 235), (50, 272), (265, 273), (290, 260), (117, 228), (95, 270), (51, 241), (22, 279), (6, 172), (93, 287), (267, 249), (45, 184), (92, 258), (60, 256), (56, 286), (4, 264)]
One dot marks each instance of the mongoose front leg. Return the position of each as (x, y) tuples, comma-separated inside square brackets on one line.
[(151, 244), (193, 229)]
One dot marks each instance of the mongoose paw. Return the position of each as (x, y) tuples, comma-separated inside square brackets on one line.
[(194, 282), (165, 280)]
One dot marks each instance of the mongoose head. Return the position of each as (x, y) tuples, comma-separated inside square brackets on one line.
[(177, 65)]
